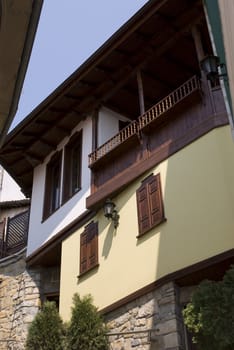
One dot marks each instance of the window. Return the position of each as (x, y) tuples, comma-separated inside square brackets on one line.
[(53, 297), (72, 166), (89, 248), (149, 203), (52, 185)]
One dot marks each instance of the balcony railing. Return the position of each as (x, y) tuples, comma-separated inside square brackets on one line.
[(169, 101), (121, 137), (13, 234), (151, 115)]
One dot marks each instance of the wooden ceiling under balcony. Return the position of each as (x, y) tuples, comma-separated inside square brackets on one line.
[(157, 41)]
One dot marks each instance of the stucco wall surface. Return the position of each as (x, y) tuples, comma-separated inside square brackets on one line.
[(198, 194)]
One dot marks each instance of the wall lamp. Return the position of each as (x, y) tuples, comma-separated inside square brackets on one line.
[(110, 212), (210, 65)]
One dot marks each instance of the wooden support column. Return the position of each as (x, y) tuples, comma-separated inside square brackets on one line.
[(95, 116), (140, 92), (200, 55), (95, 129), (198, 43)]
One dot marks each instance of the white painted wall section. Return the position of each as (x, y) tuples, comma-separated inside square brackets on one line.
[(9, 190), (40, 232), (108, 124)]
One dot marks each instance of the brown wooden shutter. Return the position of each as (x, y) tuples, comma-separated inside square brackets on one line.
[(93, 245), (143, 209), (149, 203), (155, 200), (83, 252), (89, 247)]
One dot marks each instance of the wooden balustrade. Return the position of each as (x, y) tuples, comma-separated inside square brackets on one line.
[(152, 114), (122, 136), (169, 101)]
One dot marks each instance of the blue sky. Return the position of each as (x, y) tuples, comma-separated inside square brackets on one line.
[(69, 32)]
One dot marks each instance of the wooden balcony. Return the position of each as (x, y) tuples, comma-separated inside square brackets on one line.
[(159, 110), (124, 137), (189, 112), (146, 120)]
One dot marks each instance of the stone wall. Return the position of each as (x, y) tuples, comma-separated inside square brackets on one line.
[(21, 292), (19, 301), (151, 322)]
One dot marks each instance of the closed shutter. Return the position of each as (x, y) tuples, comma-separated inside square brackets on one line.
[(143, 209), (149, 203), (155, 200), (83, 252), (89, 247), (92, 245)]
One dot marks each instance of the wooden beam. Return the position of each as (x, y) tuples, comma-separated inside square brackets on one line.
[(140, 92), (198, 43), (128, 70)]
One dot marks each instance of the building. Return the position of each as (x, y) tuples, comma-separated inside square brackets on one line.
[(137, 130), (18, 25)]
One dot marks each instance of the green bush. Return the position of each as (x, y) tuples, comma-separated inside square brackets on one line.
[(210, 314), (46, 332), (86, 330)]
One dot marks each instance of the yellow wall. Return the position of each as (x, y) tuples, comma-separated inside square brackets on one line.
[(198, 193)]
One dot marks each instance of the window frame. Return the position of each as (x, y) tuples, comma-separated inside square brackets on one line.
[(49, 188), (68, 166), (150, 208), (89, 248)]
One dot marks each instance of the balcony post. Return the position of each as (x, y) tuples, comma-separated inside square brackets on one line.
[(200, 55), (140, 92)]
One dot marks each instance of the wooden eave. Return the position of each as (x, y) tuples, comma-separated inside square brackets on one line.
[(151, 41), (18, 25)]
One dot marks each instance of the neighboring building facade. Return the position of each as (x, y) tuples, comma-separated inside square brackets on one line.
[(18, 25), (139, 127), (14, 216)]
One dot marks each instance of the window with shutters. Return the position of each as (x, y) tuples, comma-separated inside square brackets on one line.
[(149, 204), (52, 185), (72, 166), (89, 248)]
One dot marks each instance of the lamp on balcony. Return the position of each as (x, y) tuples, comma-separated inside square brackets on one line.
[(210, 65), (110, 212)]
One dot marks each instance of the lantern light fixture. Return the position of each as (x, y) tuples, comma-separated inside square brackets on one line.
[(210, 65), (110, 212)]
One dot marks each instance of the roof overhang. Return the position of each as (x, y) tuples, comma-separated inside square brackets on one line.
[(18, 25), (152, 41)]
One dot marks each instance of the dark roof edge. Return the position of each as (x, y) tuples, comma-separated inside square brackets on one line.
[(125, 30), (15, 204), (26, 53)]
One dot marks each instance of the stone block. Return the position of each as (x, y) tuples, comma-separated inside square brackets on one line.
[(167, 327), (171, 340)]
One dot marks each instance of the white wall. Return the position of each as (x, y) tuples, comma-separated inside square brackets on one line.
[(9, 190), (40, 232), (108, 124)]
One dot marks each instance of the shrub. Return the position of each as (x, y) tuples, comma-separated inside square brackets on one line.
[(86, 330), (46, 332), (210, 314)]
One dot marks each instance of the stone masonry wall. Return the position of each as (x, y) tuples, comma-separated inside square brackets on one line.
[(19, 301), (157, 311)]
